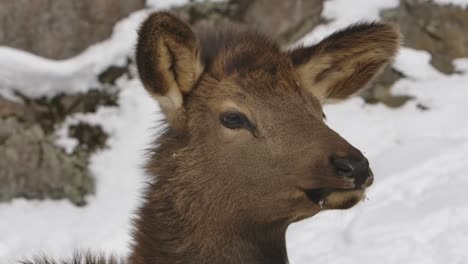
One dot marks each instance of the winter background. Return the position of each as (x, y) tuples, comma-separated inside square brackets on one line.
[(416, 211)]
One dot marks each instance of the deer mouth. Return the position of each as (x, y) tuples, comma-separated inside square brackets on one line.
[(328, 198), (339, 196)]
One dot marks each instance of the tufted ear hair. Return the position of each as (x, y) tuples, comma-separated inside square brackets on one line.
[(168, 63), (343, 63)]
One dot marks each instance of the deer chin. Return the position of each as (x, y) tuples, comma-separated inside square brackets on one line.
[(328, 199)]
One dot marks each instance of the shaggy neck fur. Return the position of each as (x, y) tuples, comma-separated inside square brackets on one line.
[(179, 224)]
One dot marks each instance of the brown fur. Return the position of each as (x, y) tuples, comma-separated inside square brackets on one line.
[(227, 195), (347, 60), (167, 44), (78, 258)]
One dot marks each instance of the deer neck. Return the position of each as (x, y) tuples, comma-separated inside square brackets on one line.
[(180, 223), (164, 234)]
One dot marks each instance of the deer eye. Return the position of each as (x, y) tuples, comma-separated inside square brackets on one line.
[(234, 120)]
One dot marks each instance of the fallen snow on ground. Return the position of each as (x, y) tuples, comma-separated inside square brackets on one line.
[(417, 211)]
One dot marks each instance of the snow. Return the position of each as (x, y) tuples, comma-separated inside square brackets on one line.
[(165, 4), (342, 13), (416, 211), (416, 64), (35, 76), (461, 65)]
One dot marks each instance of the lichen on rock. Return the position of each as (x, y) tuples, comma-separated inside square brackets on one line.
[(33, 167)]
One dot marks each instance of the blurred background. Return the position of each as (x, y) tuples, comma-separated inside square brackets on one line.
[(74, 123)]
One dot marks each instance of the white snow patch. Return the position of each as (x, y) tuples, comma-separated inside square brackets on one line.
[(63, 140), (461, 65), (415, 64), (165, 4)]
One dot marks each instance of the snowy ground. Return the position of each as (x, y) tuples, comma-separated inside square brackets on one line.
[(417, 211)]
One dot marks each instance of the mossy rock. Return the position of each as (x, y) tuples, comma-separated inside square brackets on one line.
[(33, 167)]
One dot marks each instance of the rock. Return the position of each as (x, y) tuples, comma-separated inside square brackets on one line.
[(59, 29), (50, 112), (379, 90), (207, 14), (438, 29), (110, 75), (90, 138), (33, 166), (285, 21)]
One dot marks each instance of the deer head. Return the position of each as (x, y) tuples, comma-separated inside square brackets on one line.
[(247, 147)]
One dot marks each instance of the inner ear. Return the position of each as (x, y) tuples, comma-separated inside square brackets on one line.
[(346, 61), (168, 62)]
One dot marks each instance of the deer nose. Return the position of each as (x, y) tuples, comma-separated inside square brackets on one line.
[(353, 167)]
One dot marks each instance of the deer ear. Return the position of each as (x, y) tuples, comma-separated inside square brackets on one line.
[(168, 62), (343, 63)]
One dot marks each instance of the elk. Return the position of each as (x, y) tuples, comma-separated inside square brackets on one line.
[(246, 151)]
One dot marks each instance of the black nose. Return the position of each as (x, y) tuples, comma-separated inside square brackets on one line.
[(356, 168)]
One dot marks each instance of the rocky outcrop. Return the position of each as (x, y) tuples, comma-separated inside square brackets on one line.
[(32, 165), (379, 90), (438, 29), (59, 29), (286, 21)]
